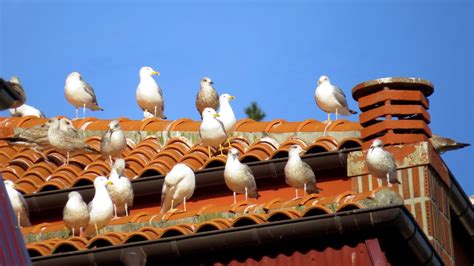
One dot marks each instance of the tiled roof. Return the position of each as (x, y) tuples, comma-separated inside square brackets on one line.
[(155, 146), (52, 238)]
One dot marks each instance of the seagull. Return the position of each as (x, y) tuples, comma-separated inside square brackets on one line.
[(18, 203), (100, 208), (80, 94), (149, 95), (211, 131), (121, 192), (26, 110), (207, 96), (67, 141), (226, 115), (299, 174), (178, 186), (442, 144), (76, 214), (35, 137), (381, 162), (239, 177), (331, 99), (16, 86), (113, 142)]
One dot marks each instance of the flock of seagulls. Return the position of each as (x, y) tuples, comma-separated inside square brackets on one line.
[(114, 194)]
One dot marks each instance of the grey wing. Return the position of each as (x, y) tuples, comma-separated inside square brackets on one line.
[(23, 203), (162, 99), (223, 127), (340, 96), (248, 172), (89, 207), (105, 139), (88, 88), (308, 171)]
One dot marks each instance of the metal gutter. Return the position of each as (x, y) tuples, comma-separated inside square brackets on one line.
[(51, 203), (461, 206), (392, 225)]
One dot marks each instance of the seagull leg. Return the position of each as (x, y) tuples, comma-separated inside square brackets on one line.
[(77, 113), (209, 151), (336, 114), (84, 111), (155, 110), (126, 209), (304, 192), (111, 162), (115, 211), (81, 231), (329, 117), (19, 224), (184, 203), (221, 148), (246, 194), (235, 198), (296, 193), (96, 229), (228, 142), (67, 158)]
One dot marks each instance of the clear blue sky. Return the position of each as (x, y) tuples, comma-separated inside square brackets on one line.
[(272, 52)]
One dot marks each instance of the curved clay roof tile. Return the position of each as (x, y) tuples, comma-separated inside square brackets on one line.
[(316, 210), (71, 244), (248, 219)]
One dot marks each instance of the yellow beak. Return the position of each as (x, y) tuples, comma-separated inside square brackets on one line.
[(232, 97), (110, 183), (216, 115), (155, 73)]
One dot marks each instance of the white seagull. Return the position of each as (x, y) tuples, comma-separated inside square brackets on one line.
[(18, 203), (113, 142), (299, 174), (178, 186), (100, 208), (149, 95), (239, 177), (331, 99), (76, 214), (121, 192), (211, 131), (80, 94), (26, 110), (381, 162), (226, 115)]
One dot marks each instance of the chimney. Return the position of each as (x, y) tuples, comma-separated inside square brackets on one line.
[(394, 110)]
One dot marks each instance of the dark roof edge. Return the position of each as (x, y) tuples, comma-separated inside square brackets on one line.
[(461, 205), (56, 200), (395, 218)]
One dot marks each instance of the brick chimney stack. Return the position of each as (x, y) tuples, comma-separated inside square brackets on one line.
[(394, 110)]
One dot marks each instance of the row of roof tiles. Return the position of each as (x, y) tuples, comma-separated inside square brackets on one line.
[(245, 213), (32, 173), (185, 124)]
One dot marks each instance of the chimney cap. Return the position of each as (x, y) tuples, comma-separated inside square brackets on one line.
[(396, 83)]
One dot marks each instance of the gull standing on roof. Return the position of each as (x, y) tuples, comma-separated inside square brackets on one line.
[(100, 208), (381, 163), (207, 96), (149, 95), (35, 137), (226, 115), (298, 173), (80, 94), (113, 142), (18, 204), (121, 192), (178, 186), (239, 177), (16, 86), (67, 141), (211, 131), (76, 214), (26, 110), (331, 99)]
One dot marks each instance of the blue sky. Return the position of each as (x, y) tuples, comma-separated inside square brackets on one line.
[(271, 52)]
